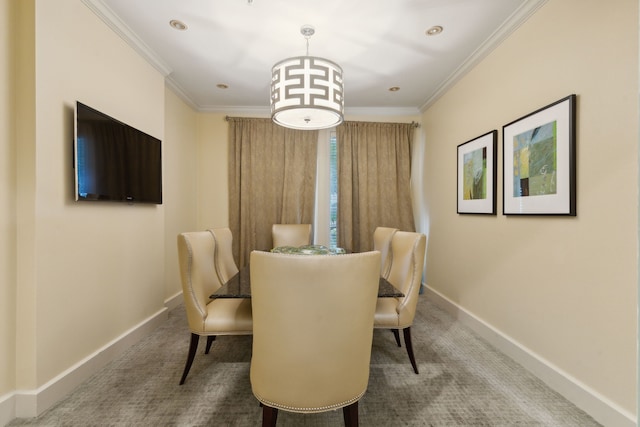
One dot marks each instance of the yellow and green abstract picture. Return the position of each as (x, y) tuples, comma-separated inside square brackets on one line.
[(475, 175), (534, 161)]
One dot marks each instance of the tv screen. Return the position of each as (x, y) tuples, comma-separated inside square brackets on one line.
[(114, 161)]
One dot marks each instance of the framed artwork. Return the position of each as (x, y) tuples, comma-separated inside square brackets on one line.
[(477, 160), (539, 161)]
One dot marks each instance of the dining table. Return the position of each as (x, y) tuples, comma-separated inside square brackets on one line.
[(239, 286)]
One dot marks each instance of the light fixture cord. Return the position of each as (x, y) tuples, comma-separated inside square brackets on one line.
[(307, 31)]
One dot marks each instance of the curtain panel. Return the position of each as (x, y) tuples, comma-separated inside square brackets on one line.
[(272, 180), (374, 181)]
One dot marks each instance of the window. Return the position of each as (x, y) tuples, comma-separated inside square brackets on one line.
[(333, 191), (326, 214)]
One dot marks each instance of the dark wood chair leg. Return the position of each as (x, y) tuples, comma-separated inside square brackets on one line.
[(397, 335), (350, 414), (210, 340), (269, 416), (193, 346), (407, 342)]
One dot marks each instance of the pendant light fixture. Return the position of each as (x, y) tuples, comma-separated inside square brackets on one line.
[(306, 91)]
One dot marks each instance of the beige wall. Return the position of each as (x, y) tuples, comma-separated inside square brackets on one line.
[(78, 279), (213, 188), (25, 147), (86, 272), (180, 191), (103, 257), (8, 22), (564, 288)]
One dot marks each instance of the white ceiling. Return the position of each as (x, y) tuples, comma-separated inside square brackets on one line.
[(378, 43)]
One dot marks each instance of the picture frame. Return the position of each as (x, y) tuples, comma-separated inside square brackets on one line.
[(477, 175), (539, 161)]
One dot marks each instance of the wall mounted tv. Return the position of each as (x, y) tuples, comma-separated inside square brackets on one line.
[(114, 161)]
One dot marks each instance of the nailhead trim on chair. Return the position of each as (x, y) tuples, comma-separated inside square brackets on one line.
[(310, 410)]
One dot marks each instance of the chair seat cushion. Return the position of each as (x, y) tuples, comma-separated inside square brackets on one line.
[(229, 315), (386, 313)]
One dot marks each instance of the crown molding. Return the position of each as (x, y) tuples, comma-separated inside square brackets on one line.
[(120, 28), (512, 23), (257, 111), (179, 91), (381, 111), (241, 111)]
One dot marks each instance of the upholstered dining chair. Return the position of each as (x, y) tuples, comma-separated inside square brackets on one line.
[(313, 329), (225, 266), (382, 242), (207, 317), (405, 274), (291, 234)]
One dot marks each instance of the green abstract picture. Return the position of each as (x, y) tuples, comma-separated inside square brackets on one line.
[(535, 161), (539, 161), (475, 175)]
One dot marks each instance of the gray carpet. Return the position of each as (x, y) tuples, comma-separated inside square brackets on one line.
[(462, 382)]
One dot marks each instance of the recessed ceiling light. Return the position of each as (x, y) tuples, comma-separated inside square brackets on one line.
[(435, 30), (178, 25), (222, 86), (394, 89)]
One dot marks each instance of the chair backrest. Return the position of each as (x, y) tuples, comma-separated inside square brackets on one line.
[(313, 325), (382, 242), (196, 251), (225, 266), (291, 234), (408, 250)]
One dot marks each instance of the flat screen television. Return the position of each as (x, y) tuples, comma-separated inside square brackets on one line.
[(114, 161)]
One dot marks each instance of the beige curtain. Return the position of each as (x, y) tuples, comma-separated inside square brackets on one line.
[(374, 174), (272, 179)]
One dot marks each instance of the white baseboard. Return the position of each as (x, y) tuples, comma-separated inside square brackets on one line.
[(173, 301), (597, 406), (31, 403)]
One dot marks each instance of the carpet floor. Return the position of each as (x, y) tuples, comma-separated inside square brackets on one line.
[(463, 381)]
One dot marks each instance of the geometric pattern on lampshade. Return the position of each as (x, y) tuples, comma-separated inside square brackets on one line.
[(307, 93)]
